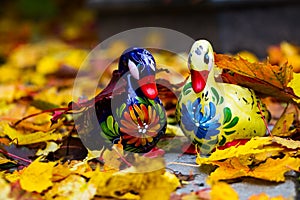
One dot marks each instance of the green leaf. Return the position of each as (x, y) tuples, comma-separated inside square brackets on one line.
[(229, 132), (233, 122), (121, 110), (104, 127), (187, 87), (216, 94), (221, 100), (110, 123), (187, 92), (116, 127), (227, 115), (223, 141)]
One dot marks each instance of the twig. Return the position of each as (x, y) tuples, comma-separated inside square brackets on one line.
[(264, 119), (15, 156)]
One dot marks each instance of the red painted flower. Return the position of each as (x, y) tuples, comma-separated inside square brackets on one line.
[(139, 125)]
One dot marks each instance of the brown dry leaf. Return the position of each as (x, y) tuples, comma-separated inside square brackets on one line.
[(267, 79), (264, 196), (223, 191), (37, 176)]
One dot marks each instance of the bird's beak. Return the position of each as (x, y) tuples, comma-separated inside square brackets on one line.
[(148, 86), (199, 79)]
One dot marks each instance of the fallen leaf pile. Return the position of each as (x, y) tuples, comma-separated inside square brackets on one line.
[(40, 159)]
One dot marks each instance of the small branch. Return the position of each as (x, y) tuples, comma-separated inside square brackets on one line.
[(264, 119), (39, 113), (15, 156), (183, 164)]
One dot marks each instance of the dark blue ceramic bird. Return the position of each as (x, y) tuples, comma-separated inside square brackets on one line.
[(128, 110)]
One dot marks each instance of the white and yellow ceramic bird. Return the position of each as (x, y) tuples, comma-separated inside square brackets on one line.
[(212, 113)]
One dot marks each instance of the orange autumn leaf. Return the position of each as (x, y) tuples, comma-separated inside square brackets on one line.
[(229, 169), (264, 196), (267, 79), (272, 169), (223, 191)]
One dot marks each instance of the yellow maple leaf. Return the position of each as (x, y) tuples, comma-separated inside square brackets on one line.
[(5, 190), (37, 176), (229, 169), (223, 191), (73, 187), (283, 125), (134, 183), (291, 144), (29, 138), (60, 172), (272, 169), (254, 146), (13, 177), (295, 82)]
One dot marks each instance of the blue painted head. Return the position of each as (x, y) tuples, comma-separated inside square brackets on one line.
[(141, 65)]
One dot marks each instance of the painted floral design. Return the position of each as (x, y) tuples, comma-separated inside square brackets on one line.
[(140, 125), (203, 122)]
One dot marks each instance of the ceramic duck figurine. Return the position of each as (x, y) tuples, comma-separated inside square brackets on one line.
[(212, 113), (128, 110)]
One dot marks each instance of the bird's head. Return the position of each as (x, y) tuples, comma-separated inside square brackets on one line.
[(200, 62), (142, 67)]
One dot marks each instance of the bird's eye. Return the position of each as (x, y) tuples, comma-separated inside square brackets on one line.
[(206, 58), (133, 69)]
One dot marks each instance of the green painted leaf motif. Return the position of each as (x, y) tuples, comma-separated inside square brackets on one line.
[(116, 127), (104, 127), (229, 132), (110, 128), (186, 87), (110, 123), (227, 115), (232, 123), (141, 100), (187, 92), (120, 110), (223, 141), (221, 100), (216, 94)]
